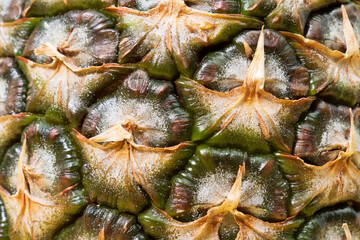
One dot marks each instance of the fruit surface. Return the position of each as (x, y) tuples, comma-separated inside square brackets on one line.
[(179, 119)]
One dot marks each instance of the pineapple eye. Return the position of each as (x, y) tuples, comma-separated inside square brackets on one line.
[(226, 69), (323, 133), (148, 108), (63, 85), (179, 119), (209, 176), (162, 226), (53, 158), (327, 28), (215, 6), (40, 178), (330, 224), (13, 88), (98, 221), (84, 37), (334, 76)]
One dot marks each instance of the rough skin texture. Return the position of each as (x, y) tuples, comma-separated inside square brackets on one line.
[(174, 119)]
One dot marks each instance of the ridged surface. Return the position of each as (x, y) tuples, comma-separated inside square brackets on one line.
[(172, 119)]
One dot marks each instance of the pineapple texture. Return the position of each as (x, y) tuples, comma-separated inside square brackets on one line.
[(180, 119)]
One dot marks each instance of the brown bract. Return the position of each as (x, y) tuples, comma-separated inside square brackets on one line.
[(31, 212), (120, 166), (167, 38)]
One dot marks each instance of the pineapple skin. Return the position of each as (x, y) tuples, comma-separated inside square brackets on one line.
[(173, 119)]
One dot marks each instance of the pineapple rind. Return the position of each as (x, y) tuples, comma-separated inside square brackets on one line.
[(214, 224)]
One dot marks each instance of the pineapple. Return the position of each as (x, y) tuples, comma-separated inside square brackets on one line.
[(179, 119)]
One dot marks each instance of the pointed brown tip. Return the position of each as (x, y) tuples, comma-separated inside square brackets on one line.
[(347, 231), (79, 136), (116, 133), (102, 234), (352, 44), (255, 76), (22, 59), (352, 143)]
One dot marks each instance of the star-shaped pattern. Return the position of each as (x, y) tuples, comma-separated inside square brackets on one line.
[(166, 39), (247, 116)]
